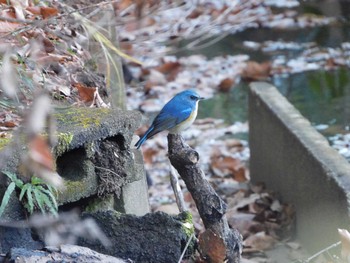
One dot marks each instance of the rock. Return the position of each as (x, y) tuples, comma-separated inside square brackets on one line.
[(155, 237), (17, 237), (65, 253)]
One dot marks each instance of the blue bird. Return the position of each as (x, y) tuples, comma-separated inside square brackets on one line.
[(177, 115)]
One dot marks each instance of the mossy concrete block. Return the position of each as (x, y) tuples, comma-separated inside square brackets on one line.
[(94, 144), (77, 126), (155, 237), (297, 162)]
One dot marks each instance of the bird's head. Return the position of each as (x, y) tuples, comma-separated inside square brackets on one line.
[(190, 96)]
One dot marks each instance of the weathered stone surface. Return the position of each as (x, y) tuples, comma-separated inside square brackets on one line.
[(66, 253), (293, 159), (17, 237), (77, 126), (134, 195), (155, 237), (93, 155)]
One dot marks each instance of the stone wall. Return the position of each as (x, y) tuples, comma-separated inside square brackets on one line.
[(294, 160)]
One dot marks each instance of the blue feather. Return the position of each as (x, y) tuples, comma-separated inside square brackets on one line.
[(174, 113)]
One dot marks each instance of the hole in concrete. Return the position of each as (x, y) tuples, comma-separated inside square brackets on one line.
[(70, 164), (120, 140)]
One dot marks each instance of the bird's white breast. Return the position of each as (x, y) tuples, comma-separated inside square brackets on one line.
[(186, 123)]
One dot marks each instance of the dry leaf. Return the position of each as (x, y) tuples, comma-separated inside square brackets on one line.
[(35, 10), (168, 67), (212, 247), (9, 124), (86, 94), (48, 45), (47, 12), (226, 84), (223, 166), (148, 155), (259, 241), (256, 71)]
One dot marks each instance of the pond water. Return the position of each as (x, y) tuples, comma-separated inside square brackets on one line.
[(321, 96)]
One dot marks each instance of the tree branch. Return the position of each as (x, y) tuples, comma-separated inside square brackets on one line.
[(210, 206)]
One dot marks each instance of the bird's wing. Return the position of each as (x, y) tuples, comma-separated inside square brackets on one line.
[(169, 119)]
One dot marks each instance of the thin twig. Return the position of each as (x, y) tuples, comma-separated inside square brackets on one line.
[(185, 249), (177, 189), (322, 251)]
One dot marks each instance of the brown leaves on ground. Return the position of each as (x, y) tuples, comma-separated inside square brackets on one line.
[(259, 242), (228, 166), (257, 71), (8, 120), (223, 164), (22, 11), (260, 218)]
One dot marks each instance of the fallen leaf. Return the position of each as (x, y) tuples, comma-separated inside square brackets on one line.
[(168, 67), (259, 242), (257, 71), (86, 94), (35, 10), (148, 155), (223, 166), (212, 247), (47, 12), (226, 84), (9, 124)]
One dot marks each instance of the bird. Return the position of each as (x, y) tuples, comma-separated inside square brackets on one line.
[(176, 115)]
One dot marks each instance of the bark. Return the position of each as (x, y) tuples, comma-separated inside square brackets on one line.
[(210, 206)]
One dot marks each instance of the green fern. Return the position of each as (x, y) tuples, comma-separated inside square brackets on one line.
[(6, 198), (38, 195)]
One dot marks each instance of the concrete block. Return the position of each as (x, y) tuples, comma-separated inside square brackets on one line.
[(134, 199), (296, 161)]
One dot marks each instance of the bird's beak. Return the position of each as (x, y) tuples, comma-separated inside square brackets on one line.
[(202, 98)]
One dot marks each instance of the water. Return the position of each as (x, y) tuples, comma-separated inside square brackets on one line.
[(321, 96)]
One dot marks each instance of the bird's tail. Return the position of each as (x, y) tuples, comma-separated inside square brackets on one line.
[(143, 138)]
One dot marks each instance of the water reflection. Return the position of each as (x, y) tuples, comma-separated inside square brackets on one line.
[(322, 97)]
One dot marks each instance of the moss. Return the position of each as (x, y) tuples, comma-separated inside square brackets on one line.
[(72, 188), (4, 142), (82, 117), (100, 204), (64, 140), (188, 228), (187, 219)]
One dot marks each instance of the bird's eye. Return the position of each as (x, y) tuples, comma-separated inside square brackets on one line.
[(193, 97)]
